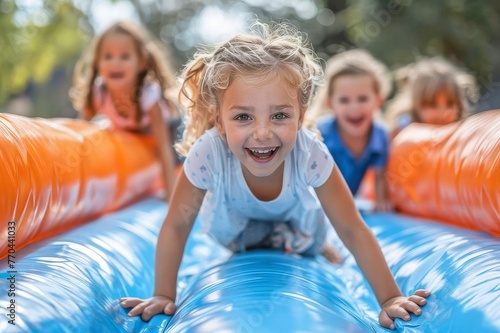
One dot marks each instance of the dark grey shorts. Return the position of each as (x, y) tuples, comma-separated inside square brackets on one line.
[(279, 235)]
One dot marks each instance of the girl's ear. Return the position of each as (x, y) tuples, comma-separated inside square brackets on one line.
[(301, 118), (217, 120)]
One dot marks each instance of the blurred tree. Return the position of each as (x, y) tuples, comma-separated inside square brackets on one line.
[(466, 32), (183, 25), (37, 40), (37, 37), (396, 31)]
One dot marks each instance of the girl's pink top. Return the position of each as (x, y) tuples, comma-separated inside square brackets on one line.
[(151, 94)]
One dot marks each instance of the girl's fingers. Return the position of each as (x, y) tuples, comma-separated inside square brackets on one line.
[(403, 314), (421, 301), (400, 307), (413, 307), (169, 308), (153, 308), (150, 310), (137, 310), (130, 302), (399, 312), (422, 293), (385, 320)]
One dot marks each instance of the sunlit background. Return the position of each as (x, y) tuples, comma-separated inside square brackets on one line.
[(40, 41)]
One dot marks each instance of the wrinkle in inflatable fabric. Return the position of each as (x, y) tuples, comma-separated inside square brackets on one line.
[(72, 283)]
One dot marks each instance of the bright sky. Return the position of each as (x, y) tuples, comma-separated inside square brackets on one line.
[(211, 25), (105, 13)]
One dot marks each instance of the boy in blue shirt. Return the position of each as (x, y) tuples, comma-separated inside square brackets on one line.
[(355, 90)]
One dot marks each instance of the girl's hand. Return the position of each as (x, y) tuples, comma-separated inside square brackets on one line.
[(399, 307), (148, 307)]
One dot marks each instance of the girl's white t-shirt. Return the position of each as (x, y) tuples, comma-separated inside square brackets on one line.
[(229, 204), (151, 94)]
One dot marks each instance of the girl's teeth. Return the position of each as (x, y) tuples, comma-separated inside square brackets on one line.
[(262, 151)]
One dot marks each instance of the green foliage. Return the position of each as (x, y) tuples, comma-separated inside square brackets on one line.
[(399, 31), (34, 41)]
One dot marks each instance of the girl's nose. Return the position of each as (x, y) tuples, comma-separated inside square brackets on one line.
[(262, 133)]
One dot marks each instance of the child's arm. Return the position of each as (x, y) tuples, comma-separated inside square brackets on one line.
[(164, 146), (339, 206), (382, 201), (186, 202)]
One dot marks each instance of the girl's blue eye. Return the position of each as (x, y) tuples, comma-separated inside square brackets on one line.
[(242, 117), (125, 56), (280, 116), (107, 56), (363, 98), (344, 100)]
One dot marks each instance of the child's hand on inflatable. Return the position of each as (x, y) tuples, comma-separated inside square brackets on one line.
[(399, 307), (148, 307)]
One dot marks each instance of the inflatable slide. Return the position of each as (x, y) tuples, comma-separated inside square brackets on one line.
[(79, 222)]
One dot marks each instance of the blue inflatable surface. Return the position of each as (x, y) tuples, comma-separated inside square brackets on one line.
[(73, 282)]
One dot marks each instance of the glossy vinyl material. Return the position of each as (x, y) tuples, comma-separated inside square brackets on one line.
[(449, 173), (55, 174), (72, 283)]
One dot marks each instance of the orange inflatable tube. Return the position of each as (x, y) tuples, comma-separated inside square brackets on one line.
[(58, 173), (449, 173)]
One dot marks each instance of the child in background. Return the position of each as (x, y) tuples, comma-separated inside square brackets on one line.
[(435, 93), (124, 76), (355, 90), (251, 168)]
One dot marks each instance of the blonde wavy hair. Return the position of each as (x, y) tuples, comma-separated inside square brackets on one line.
[(149, 49), (352, 62), (268, 51)]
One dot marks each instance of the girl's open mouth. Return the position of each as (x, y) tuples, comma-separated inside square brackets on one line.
[(262, 155), (356, 121), (116, 75)]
